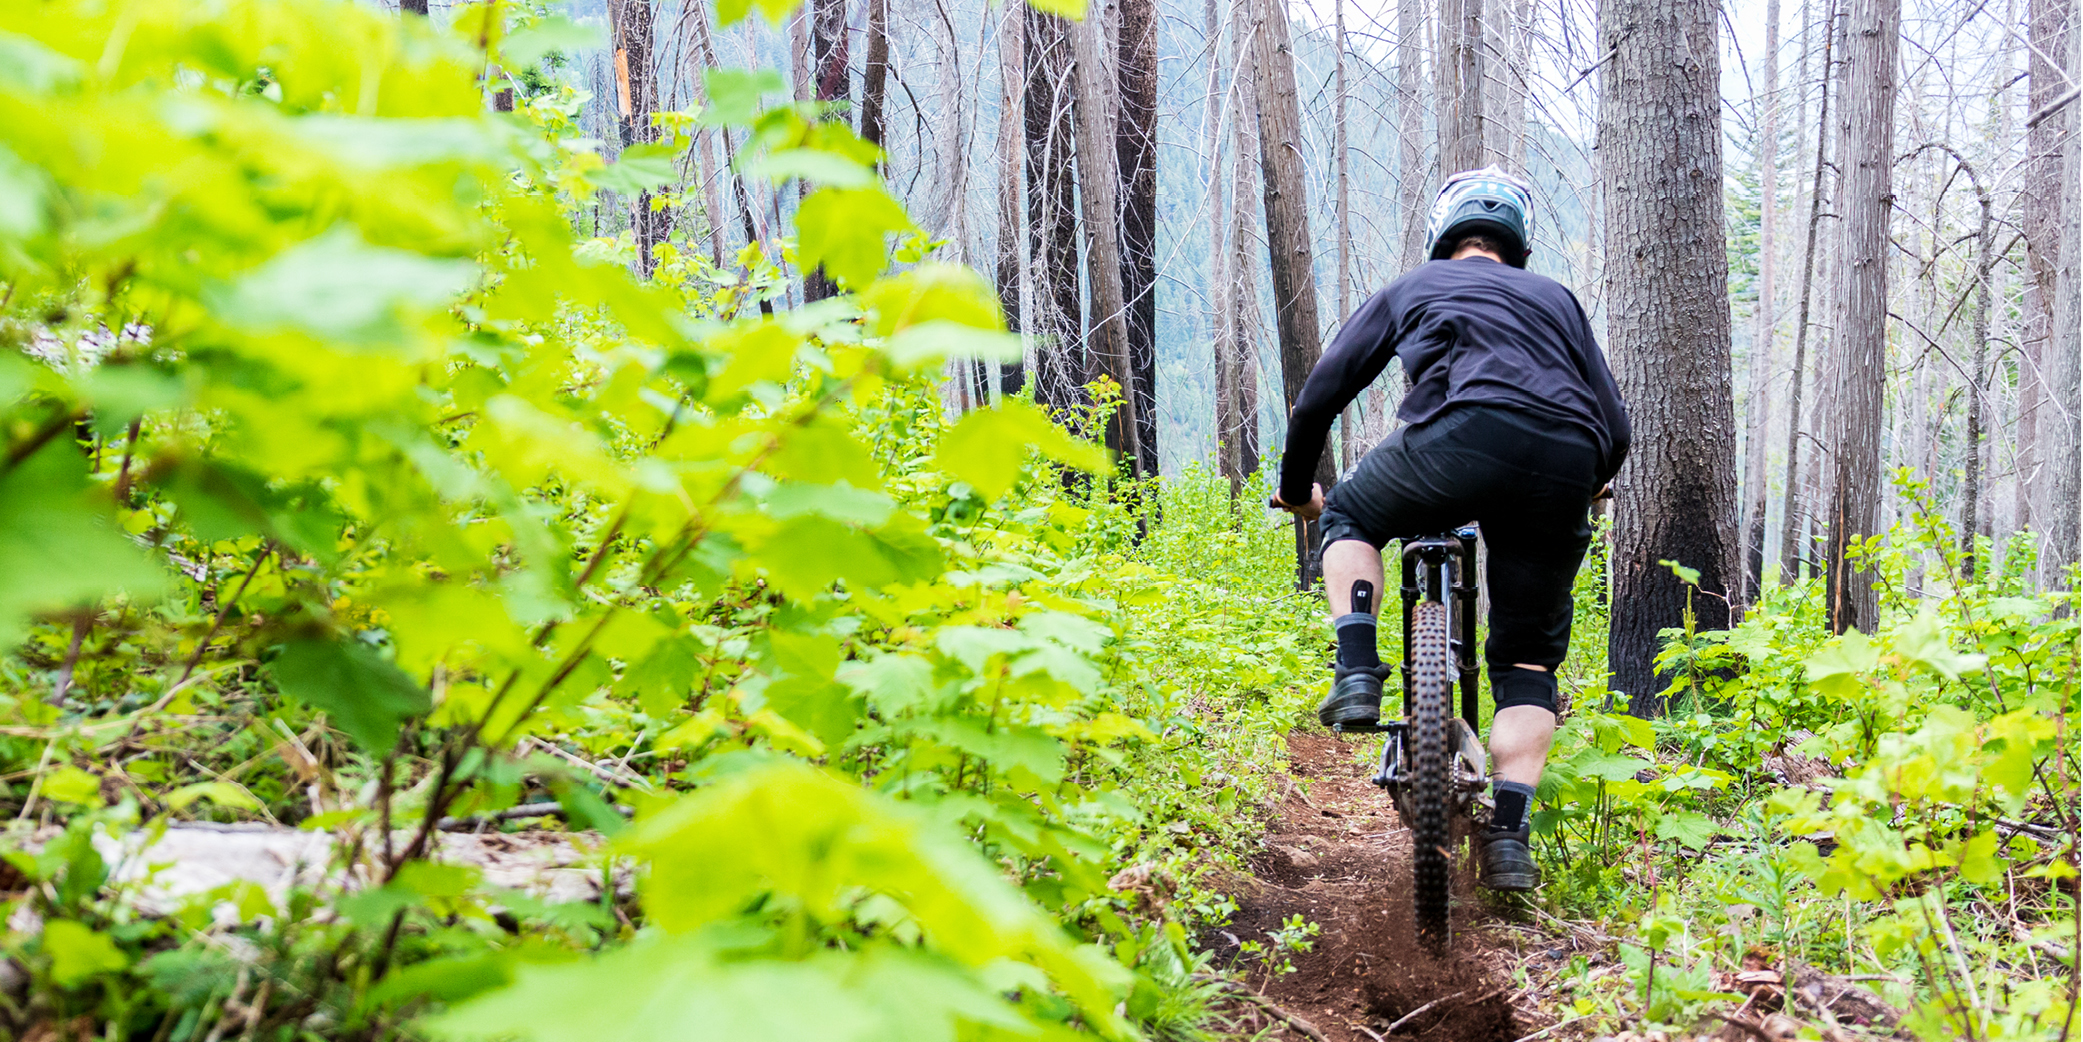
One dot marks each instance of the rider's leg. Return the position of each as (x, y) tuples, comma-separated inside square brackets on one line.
[(1350, 561), (1519, 740), (1352, 578)]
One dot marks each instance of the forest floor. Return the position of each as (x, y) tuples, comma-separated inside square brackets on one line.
[(1336, 854)]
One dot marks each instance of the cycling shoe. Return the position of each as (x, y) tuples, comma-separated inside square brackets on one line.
[(1355, 698), (1507, 861)]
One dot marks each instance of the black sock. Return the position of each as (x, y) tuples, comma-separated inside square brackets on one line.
[(1513, 801), (1356, 641)]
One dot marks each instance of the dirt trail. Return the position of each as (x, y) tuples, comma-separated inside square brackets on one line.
[(1337, 855)]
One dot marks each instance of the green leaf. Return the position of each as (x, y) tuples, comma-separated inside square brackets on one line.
[(360, 692), (639, 169), (1592, 763), (78, 954), (59, 545), (552, 35), (736, 95), (675, 989), (1688, 576), (847, 230), (341, 289), (811, 164), (1071, 9), (70, 784), (1692, 829), (987, 446), (223, 794)]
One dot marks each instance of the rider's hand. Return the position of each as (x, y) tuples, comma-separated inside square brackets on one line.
[(1309, 511)]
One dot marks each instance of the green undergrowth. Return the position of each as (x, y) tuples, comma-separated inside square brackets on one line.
[(1898, 807), (347, 489)]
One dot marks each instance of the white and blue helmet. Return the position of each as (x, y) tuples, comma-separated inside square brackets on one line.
[(1487, 200)]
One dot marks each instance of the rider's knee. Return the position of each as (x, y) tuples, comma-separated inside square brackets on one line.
[(1523, 687)]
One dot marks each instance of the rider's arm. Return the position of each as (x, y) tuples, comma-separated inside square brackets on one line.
[(1360, 353), (1612, 409)]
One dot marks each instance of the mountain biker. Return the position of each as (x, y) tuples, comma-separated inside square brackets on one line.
[(1512, 420)]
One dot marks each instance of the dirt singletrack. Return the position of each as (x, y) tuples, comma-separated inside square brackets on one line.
[(1336, 854)]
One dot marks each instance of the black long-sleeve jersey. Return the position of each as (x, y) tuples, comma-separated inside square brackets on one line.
[(1468, 331)]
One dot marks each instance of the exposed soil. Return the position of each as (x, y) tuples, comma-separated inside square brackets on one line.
[(1337, 855)]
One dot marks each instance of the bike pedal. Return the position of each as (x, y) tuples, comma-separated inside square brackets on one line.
[(1362, 728)]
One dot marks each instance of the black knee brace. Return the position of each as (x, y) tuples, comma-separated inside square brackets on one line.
[(1513, 686)]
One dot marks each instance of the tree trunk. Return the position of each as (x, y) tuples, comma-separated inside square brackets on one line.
[(709, 172), (1136, 137), (1793, 543), (2052, 248), (1244, 263), (1413, 177), (875, 72), (1668, 324), (1221, 306), (1973, 519), (1756, 430), (418, 7), (1460, 91), (1860, 350), (1057, 302), (1011, 235), (1097, 183), (1287, 236), (1341, 160), (831, 80), (636, 98)]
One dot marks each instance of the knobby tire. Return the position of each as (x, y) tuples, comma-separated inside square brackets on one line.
[(1427, 743)]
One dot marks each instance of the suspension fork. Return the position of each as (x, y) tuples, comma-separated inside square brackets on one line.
[(1463, 614), (1443, 568)]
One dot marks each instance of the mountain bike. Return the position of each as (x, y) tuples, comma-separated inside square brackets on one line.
[(1433, 764)]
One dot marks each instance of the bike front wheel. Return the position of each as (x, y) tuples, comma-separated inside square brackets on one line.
[(1428, 785)]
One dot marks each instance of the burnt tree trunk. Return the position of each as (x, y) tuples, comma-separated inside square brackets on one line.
[(1011, 234), (636, 98), (1056, 304), (1135, 56), (1097, 183), (1243, 288), (1660, 144), (1287, 238), (831, 80), (1222, 328), (1858, 359), (875, 72)]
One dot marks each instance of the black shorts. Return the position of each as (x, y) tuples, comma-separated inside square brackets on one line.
[(1526, 481)]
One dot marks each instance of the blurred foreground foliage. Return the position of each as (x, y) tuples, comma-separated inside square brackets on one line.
[(346, 487)]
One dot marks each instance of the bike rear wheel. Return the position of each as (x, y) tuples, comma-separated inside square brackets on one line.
[(1428, 792)]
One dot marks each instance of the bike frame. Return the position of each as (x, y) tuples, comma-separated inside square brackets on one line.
[(1443, 568)]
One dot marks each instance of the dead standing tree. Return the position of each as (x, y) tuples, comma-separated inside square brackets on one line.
[(1011, 65), (1668, 327), (1287, 235), (636, 98), (1459, 71), (1858, 360), (1055, 307), (1097, 184), (1241, 289), (1136, 157), (1766, 317)]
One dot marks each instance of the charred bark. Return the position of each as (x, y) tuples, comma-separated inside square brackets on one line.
[(1136, 138)]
